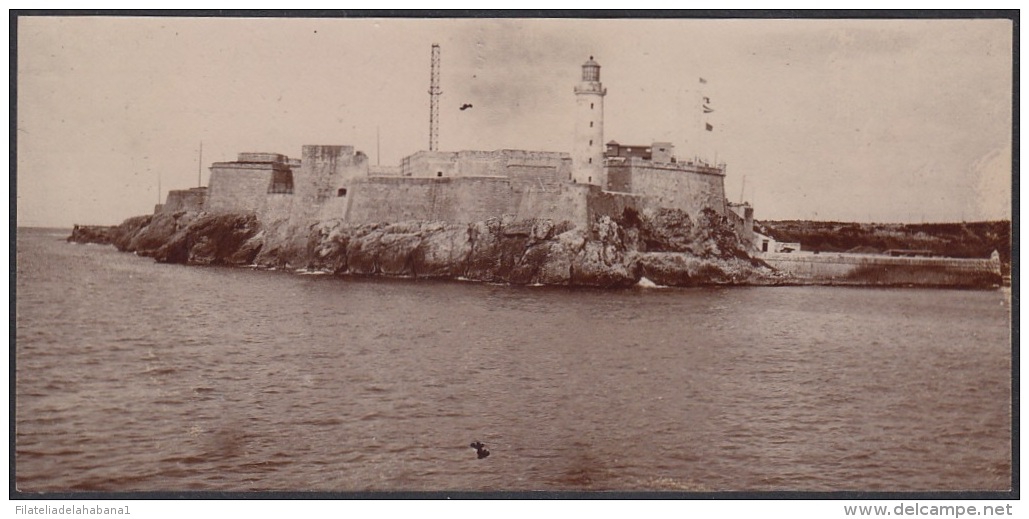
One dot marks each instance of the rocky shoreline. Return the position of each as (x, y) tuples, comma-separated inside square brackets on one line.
[(665, 247), (662, 247)]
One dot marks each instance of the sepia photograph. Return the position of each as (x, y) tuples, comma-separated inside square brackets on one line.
[(430, 256)]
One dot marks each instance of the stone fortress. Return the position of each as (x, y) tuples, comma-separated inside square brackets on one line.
[(494, 216), (596, 179)]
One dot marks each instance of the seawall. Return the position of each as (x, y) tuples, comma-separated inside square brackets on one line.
[(866, 269)]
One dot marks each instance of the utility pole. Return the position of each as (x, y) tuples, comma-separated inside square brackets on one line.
[(434, 93)]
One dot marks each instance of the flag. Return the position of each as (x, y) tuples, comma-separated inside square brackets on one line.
[(708, 127), (702, 80)]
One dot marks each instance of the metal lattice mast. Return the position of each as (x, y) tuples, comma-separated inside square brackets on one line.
[(434, 92)]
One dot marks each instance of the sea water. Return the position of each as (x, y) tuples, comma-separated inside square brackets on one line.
[(138, 376)]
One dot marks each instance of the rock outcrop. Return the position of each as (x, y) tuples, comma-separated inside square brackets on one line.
[(91, 234), (226, 239), (184, 237), (665, 246)]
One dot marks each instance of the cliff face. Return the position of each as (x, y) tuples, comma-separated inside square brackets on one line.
[(665, 246), (610, 253), (496, 250)]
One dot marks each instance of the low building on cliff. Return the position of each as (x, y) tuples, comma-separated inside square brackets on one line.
[(662, 152), (764, 243)]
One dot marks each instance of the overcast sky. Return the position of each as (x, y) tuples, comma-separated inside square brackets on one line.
[(886, 121)]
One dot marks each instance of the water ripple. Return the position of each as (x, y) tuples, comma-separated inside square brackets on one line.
[(133, 375)]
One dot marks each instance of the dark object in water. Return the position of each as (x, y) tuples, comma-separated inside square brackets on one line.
[(465, 106), (480, 449)]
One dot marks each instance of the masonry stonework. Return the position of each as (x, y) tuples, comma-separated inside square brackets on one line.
[(688, 187), (238, 187), (193, 199), (588, 146), (594, 180)]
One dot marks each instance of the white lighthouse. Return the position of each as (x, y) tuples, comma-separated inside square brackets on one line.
[(588, 148)]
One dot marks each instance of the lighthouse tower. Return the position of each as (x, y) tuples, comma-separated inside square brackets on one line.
[(588, 148)]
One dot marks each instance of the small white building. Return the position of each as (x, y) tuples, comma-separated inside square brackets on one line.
[(764, 243)]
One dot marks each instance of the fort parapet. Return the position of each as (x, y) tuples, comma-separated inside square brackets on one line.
[(675, 185), (243, 185), (193, 199)]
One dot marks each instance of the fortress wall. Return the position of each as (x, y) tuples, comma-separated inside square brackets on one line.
[(313, 182), (238, 187), (528, 176), (184, 200), (670, 185), (282, 181), (564, 170), (383, 171), (460, 200), (284, 236), (429, 164), (566, 203), (324, 171), (536, 170), (538, 174), (348, 171), (385, 199), (477, 164), (619, 178), (548, 166), (252, 156), (480, 198), (334, 207), (613, 205), (276, 207)]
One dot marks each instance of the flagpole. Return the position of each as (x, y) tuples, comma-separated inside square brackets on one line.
[(698, 128), (200, 165), (705, 110)]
